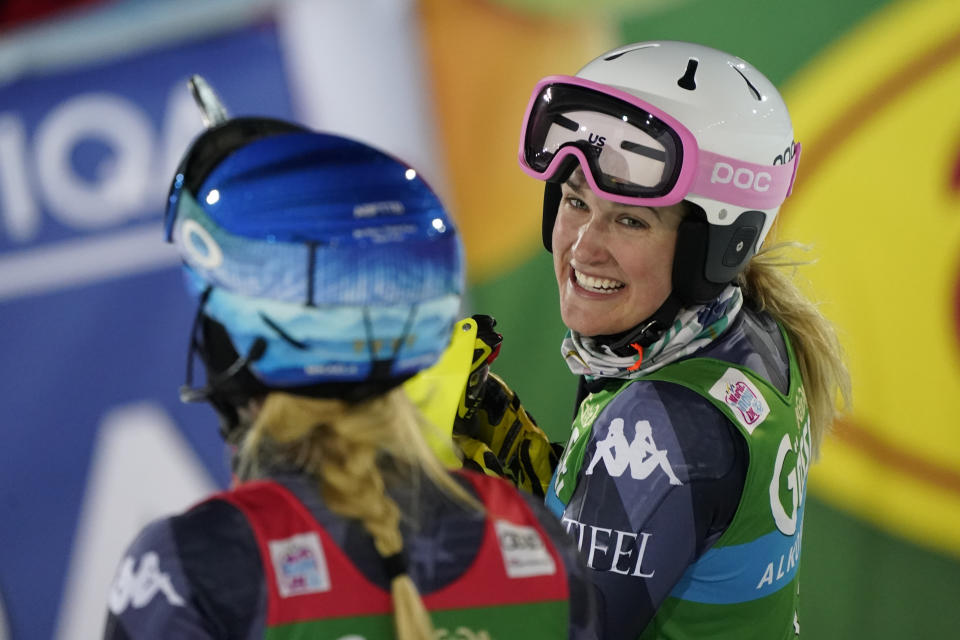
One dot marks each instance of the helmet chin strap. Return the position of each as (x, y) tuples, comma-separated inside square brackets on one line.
[(646, 332)]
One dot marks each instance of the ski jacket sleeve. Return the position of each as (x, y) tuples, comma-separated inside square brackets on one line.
[(195, 576)]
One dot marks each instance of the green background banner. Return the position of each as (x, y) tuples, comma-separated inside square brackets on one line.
[(870, 569)]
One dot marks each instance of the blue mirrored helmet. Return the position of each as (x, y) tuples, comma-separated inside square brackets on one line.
[(320, 264)]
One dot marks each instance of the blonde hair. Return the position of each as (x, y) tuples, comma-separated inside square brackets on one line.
[(768, 284), (342, 446)]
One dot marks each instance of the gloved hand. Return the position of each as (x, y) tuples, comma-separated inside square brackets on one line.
[(485, 350), (511, 435), (493, 431)]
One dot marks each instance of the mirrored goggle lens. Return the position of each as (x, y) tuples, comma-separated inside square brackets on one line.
[(629, 151)]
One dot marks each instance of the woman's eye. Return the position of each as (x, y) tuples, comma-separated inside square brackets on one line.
[(575, 202), (634, 222)]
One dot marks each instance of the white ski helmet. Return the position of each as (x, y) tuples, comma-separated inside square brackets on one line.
[(656, 123)]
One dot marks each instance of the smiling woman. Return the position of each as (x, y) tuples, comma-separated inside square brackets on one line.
[(704, 370), (706, 378), (612, 261)]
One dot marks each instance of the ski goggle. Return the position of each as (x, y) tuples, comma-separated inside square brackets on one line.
[(633, 153)]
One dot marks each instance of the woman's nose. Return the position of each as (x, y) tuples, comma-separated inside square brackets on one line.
[(590, 245)]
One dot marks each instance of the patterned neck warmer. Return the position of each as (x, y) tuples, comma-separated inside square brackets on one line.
[(693, 328)]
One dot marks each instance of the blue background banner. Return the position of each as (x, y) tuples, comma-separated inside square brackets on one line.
[(91, 299)]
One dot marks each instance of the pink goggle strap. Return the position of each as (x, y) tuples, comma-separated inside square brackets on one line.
[(745, 184), (797, 148)]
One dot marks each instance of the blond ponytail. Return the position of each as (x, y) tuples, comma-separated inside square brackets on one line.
[(768, 284), (342, 445)]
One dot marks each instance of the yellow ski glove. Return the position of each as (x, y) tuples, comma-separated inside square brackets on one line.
[(493, 430)]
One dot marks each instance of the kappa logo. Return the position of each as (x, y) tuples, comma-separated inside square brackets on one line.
[(138, 588), (299, 565), (746, 401), (641, 455)]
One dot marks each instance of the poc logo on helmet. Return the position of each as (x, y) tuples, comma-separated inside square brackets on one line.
[(787, 156), (741, 177)]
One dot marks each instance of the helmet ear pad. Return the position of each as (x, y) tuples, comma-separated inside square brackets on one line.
[(218, 354), (708, 257), (552, 193), (551, 202)]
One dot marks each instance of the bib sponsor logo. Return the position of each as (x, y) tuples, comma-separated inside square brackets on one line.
[(299, 565), (783, 567), (794, 478), (524, 554), (611, 549), (137, 588), (641, 455), (737, 392), (740, 177)]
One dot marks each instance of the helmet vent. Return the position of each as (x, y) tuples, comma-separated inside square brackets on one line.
[(614, 56), (687, 81), (753, 89)]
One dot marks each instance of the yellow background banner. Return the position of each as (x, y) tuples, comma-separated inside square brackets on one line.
[(877, 198)]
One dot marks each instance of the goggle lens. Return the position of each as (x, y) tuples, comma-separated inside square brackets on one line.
[(629, 151)]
